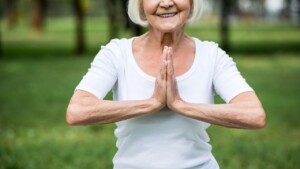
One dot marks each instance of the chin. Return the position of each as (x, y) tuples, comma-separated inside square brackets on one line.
[(170, 29)]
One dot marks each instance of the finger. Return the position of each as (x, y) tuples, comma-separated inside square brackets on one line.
[(165, 53), (170, 52), (170, 66), (163, 65), (163, 71)]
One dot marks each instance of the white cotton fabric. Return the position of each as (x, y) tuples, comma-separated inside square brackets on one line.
[(163, 140)]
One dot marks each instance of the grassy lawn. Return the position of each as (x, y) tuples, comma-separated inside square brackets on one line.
[(39, 74)]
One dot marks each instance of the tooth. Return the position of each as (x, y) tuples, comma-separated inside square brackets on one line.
[(167, 15)]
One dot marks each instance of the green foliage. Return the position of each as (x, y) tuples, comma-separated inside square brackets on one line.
[(39, 73)]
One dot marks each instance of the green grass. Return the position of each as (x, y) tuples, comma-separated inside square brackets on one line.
[(34, 97), (276, 81), (39, 73)]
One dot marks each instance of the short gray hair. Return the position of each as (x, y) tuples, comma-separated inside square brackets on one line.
[(135, 12)]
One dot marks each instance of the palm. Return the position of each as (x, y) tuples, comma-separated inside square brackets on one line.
[(166, 92)]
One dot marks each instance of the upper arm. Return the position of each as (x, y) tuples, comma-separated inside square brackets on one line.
[(103, 73), (80, 95), (227, 80), (246, 97)]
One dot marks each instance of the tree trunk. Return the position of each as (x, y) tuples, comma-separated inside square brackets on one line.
[(136, 29), (112, 12), (298, 11), (79, 16), (1, 50), (38, 17), (11, 13), (287, 9), (124, 13), (224, 24)]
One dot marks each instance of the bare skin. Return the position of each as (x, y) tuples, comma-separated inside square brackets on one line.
[(244, 111)]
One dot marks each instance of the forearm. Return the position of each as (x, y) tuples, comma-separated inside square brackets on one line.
[(89, 111), (242, 115)]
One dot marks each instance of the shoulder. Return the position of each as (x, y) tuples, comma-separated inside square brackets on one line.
[(115, 50), (207, 45), (210, 50), (118, 44), (113, 54)]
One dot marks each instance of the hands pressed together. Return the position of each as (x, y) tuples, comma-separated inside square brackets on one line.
[(166, 91)]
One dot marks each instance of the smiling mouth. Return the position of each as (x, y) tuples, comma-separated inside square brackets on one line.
[(167, 15)]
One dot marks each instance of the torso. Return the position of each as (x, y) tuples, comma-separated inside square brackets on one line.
[(149, 57), (148, 140)]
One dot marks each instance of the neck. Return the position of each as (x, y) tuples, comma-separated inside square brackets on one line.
[(161, 39)]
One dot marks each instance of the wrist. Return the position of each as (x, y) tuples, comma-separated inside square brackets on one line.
[(155, 104), (178, 106)]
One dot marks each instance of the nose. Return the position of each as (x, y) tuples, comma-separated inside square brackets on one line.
[(166, 3)]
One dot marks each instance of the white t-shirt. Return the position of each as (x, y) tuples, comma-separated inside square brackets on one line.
[(163, 140)]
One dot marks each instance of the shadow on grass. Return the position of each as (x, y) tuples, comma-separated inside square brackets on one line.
[(265, 48), (36, 50)]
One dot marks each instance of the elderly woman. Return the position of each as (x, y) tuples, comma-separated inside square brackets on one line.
[(164, 83)]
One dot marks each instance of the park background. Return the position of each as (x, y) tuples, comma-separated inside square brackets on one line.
[(46, 46)]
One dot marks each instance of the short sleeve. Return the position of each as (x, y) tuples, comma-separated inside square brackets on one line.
[(227, 80), (103, 73)]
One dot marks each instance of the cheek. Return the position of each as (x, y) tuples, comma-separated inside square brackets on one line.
[(149, 7), (187, 9), (183, 2), (186, 6)]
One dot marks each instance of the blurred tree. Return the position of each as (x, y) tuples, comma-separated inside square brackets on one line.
[(11, 13), (1, 51), (287, 9), (79, 16), (137, 30), (224, 24), (260, 9), (118, 19), (38, 15), (112, 13), (298, 10), (59, 8)]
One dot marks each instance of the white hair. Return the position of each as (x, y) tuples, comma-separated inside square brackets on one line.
[(135, 12)]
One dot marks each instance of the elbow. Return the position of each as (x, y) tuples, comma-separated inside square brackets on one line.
[(261, 123), (72, 116), (260, 119)]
